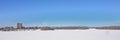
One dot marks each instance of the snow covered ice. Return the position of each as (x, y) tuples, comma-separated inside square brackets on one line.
[(61, 35)]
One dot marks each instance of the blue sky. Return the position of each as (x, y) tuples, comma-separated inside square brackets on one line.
[(60, 12)]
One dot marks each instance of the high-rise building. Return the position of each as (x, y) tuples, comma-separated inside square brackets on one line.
[(19, 25)]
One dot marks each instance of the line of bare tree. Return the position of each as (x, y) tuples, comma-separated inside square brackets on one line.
[(59, 28)]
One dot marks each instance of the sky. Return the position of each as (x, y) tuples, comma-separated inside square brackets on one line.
[(60, 12)]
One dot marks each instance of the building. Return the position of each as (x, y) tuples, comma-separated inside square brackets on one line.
[(19, 25)]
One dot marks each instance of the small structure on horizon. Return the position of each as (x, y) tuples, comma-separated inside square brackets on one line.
[(19, 25)]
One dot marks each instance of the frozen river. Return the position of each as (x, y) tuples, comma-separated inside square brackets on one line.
[(61, 35)]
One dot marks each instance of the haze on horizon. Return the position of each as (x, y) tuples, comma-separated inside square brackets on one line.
[(60, 12)]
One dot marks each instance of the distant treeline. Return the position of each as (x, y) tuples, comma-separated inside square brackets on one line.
[(109, 27), (59, 28)]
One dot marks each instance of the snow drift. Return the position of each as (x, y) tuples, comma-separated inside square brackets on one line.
[(61, 35)]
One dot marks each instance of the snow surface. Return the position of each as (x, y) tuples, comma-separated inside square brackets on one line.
[(61, 35)]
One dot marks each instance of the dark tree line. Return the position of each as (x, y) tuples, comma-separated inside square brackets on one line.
[(54, 28)]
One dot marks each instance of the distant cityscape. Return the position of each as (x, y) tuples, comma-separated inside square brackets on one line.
[(19, 26)]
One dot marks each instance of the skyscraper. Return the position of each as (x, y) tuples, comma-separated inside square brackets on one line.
[(19, 25)]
